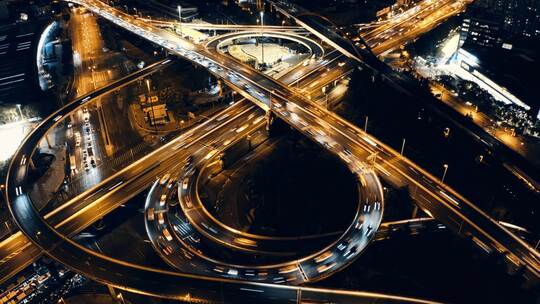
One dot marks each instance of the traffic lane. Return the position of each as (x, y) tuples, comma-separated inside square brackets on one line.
[(280, 247), (198, 213), (509, 236), (72, 254), (327, 69), (440, 196), (199, 216), (54, 119), (81, 200), (191, 190), (223, 235), (406, 32), (520, 244), (134, 180), (222, 62), (132, 171), (16, 256), (315, 49), (301, 71), (421, 10)]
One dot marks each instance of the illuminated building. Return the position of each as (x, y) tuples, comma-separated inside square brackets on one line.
[(501, 23)]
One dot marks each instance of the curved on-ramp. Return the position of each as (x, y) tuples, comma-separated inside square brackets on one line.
[(194, 222)]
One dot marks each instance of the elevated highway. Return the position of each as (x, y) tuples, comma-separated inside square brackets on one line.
[(116, 187), (225, 27), (319, 124), (191, 222), (430, 194), (151, 281)]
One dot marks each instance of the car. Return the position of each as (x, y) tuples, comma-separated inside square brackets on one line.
[(164, 179), (185, 183), (167, 234), (150, 214), (167, 249), (173, 202), (161, 219), (171, 183), (349, 253), (93, 163), (259, 93), (163, 199)]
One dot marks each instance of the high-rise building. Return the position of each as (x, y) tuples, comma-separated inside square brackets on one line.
[(500, 23), (482, 28)]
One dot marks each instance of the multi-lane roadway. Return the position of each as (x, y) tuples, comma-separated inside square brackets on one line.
[(319, 124)]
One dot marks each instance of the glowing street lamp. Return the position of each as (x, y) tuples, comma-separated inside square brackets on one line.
[(445, 166), (262, 33), (180, 17), (20, 111), (148, 84), (325, 97)]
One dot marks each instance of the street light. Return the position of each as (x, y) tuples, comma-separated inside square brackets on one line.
[(403, 146), (262, 34), (445, 166), (148, 85), (365, 124), (181, 125), (20, 111), (151, 105), (325, 97), (180, 17)]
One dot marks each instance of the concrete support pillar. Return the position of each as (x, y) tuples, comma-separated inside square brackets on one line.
[(117, 297), (48, 141), (415, 211), (269, 119), (31, 163), (220, 85)]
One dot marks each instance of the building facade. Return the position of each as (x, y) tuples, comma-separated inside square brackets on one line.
[(500, 23)]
